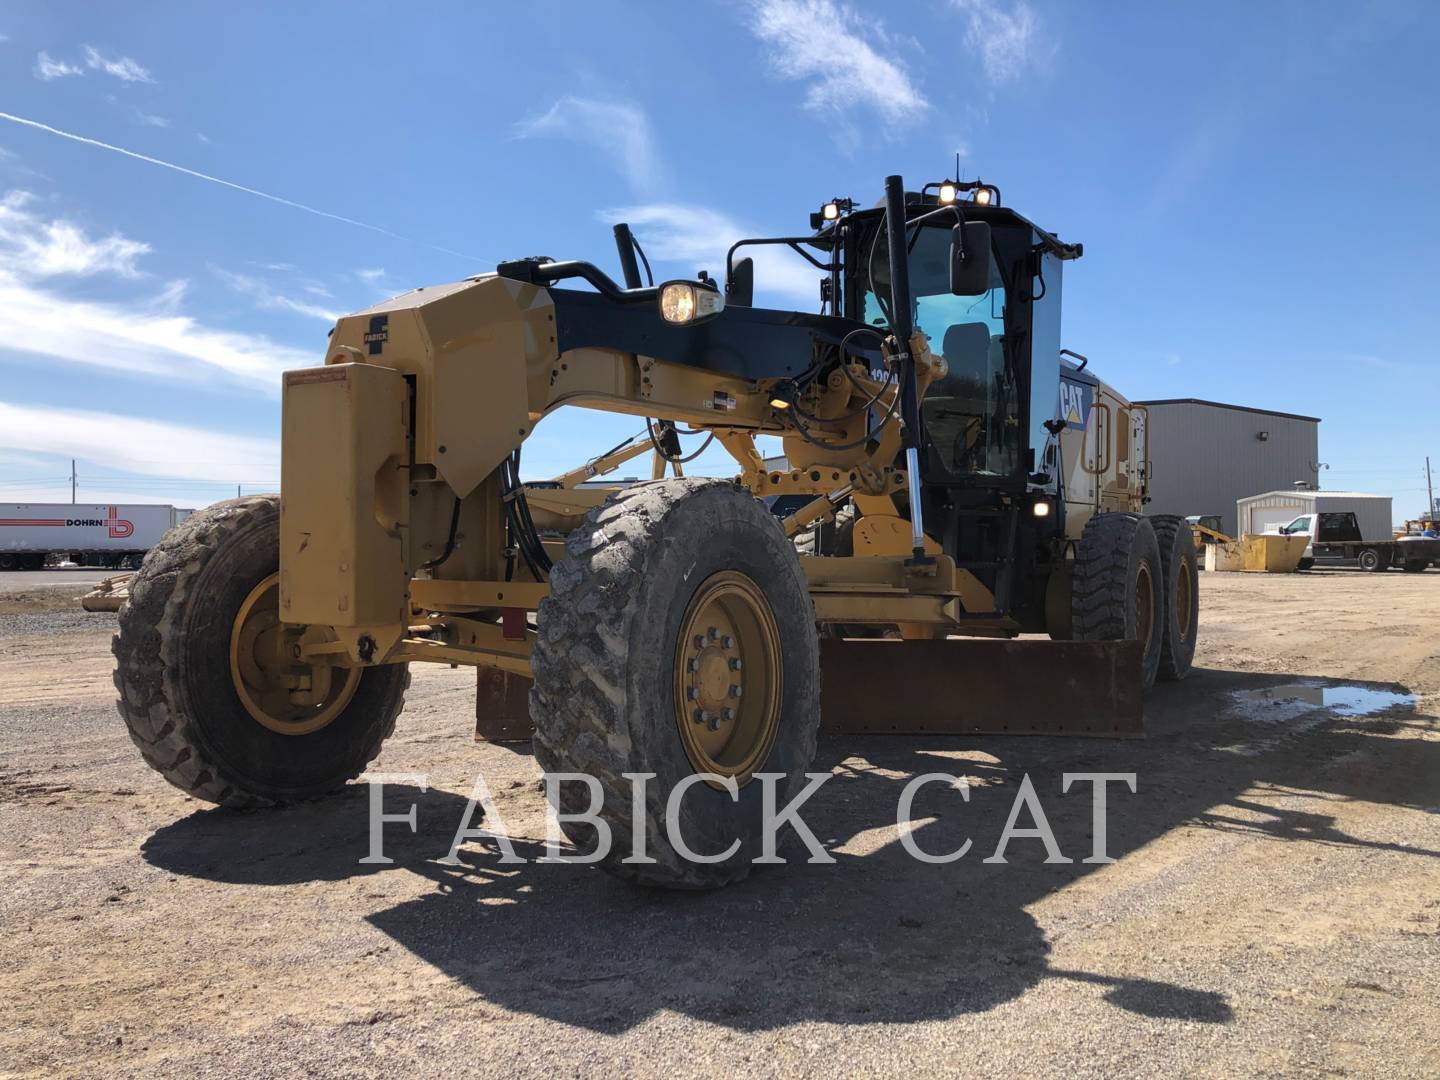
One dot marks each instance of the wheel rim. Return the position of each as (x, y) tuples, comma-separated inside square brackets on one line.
[(728, 678), (1183, 600), (1144, 605), (278, 690)]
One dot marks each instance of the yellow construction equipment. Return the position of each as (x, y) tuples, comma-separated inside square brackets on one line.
[(955, 474), (1257, 553)]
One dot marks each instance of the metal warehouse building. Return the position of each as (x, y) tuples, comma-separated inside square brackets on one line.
[(1205, 456)]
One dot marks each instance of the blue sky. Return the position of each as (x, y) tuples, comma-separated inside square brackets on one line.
[(1254, 185)]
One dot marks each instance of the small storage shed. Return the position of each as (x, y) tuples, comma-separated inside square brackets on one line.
[(1268, 511)]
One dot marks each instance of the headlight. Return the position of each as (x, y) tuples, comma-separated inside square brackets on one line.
[(684, 302)]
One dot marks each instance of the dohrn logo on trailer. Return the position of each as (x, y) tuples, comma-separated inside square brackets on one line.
[(119, 527)]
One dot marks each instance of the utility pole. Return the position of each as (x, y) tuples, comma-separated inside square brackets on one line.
[(72, 478), (237, 491), (1429, 486)]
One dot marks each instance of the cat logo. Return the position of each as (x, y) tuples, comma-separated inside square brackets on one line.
[(1075, 403)]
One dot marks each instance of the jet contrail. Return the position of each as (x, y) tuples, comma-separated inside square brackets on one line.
[(230, 184)]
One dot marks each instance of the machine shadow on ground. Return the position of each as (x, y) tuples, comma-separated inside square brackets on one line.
[(876, 937)]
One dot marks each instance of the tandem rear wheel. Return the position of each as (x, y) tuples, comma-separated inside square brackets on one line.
[(1135, 579)]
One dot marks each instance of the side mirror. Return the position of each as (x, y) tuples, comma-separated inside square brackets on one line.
[(740, 289), (970, 259)]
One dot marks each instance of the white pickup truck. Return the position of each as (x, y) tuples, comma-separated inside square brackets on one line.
[(1335, 541)]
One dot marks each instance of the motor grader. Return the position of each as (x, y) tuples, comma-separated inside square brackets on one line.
[(957, 479)]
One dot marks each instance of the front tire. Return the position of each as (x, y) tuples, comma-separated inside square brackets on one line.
[(191, 662), (1116, 592), (671, 596), (1181, 580)]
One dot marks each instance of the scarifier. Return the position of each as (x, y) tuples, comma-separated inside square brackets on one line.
[(959, 476)]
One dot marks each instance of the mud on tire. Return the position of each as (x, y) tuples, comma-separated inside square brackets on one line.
[(172, 670), (1180, 578), (1117, 553), (604, 664)]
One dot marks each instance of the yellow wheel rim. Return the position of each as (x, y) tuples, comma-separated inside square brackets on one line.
[(728, 677), (1183, 600), (1144, 605), (278, 689)]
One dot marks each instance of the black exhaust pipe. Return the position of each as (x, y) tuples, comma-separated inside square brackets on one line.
[(903, 326), (625, 245)]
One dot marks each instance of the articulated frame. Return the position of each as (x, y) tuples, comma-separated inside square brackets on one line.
[(393, 517)]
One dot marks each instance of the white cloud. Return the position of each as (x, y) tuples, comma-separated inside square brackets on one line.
[(43, 249), (149, 119), (834, 49), (131, 444), (372, 275), (121, 67), (146, 335), (47, 68), (267, 297), (699, 237), (1005, 40), (618, 129)]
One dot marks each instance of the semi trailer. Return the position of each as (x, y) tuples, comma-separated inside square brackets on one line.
[(93, 534)]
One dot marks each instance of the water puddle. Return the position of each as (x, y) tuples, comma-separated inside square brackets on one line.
[(1295, 699)]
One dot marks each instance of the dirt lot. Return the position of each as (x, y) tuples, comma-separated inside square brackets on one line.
[(1274, 910)]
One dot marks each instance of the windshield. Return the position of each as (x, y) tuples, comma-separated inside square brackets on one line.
[(971, 415)]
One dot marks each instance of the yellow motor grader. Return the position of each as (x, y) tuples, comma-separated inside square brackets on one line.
[(949, 477)]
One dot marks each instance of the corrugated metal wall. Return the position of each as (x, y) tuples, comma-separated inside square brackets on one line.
[(1205, 457)]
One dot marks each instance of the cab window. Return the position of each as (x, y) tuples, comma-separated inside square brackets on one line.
[(972, 415), (1299, 525)]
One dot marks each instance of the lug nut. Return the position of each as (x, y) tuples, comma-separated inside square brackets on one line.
[(693, 664), (699, 641), (727, 714), (735, 690), (713, 633), (691, 693), (714, 724), (727, 642), (735, 664), (701, 716)]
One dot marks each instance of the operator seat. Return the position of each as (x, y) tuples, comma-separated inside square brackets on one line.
[(956, 408)]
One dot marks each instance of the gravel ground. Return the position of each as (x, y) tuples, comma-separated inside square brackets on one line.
[(1274, 910)]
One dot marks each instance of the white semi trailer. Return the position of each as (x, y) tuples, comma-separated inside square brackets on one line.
[(92, 534)]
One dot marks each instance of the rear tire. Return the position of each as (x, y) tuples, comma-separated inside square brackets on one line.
[(173, 669), (1305, 564), (1416, 566), (1181, 579), (1372, 561), (1116, 595), (612, 637)]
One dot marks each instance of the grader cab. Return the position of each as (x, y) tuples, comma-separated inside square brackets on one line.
[(951, 478)]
